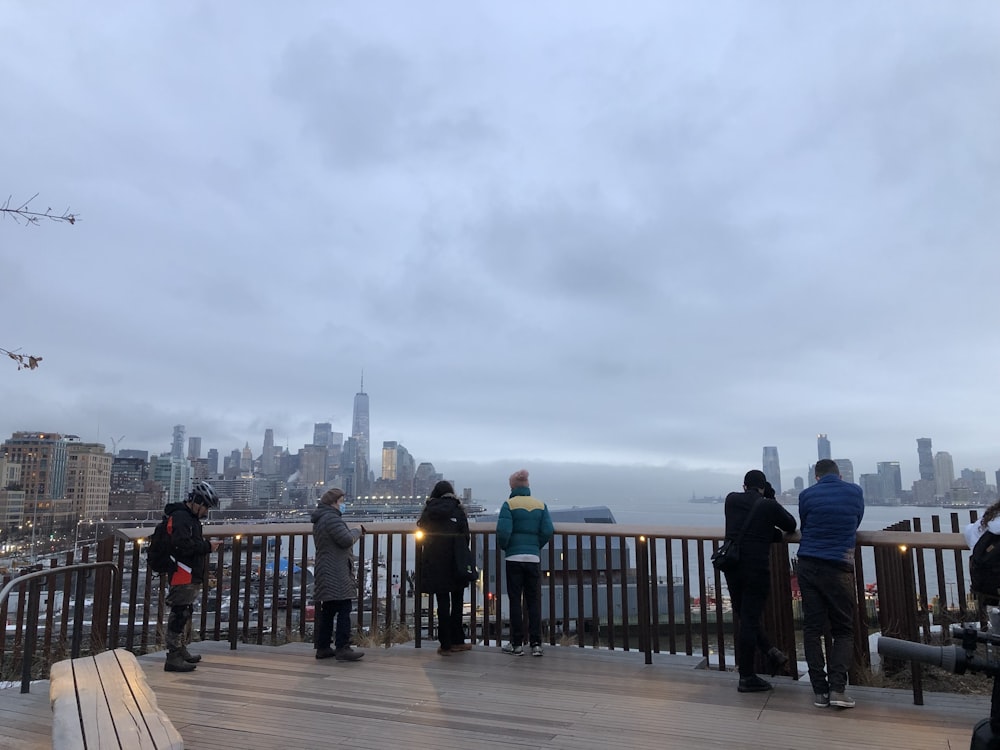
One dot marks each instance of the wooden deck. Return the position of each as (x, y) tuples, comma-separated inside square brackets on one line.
[(264, 698)]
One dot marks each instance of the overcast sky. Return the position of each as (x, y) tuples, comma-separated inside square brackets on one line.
[(655, 236)]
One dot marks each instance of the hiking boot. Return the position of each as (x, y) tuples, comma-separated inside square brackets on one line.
[(776, 661), (822, 700), (754, 684), (188, 656), (325, 653), (841, 700), (346, 653), (462, 647), (176, 663), (536, 650), (510, 648)]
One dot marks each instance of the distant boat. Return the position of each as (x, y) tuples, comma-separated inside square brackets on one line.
[(707, 500)]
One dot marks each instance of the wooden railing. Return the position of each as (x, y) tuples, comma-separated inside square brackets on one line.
[(651, 589)]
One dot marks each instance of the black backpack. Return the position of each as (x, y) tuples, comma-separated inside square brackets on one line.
[(984, 567), (159, 551)]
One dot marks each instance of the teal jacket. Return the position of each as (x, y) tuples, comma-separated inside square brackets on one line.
[(524, 526)]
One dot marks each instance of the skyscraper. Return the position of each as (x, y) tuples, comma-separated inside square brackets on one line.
[(322, 433), (889, 475), (823, 446), (926, 458), (944, 472), (213, 461), (267, 455), (359, 431), (194, 448), (771, 467), (177, 448), (43, 458), (846, 468)]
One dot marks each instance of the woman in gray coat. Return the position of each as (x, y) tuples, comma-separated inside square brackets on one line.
[(334, 584)]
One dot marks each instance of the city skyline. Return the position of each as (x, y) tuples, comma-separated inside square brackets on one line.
[(651, 241)]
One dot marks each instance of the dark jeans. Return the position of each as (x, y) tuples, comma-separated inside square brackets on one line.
[(523, 580), (829, 602), (749, 590), (339, 609), (449, 613)]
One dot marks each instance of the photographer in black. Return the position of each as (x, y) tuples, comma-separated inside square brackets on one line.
[(756, 519)]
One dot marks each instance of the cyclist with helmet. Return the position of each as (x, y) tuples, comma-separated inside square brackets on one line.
[(190, 549)]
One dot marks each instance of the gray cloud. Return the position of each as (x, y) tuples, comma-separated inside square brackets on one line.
[(659, 239)]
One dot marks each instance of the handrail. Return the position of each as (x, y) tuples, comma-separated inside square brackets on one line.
[(32, 618), (626, 586)]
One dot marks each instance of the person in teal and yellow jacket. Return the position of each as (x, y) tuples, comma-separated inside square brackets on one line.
[(524, 527)]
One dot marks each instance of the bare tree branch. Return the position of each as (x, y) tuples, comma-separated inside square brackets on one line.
[(24, 213), (24, 361)]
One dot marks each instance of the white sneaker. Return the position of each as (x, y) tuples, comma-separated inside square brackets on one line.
[(510, 648), (536, 650)]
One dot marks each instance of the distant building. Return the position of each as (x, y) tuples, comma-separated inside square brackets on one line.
[(177, 447), (823, 446), (194, 448), (42, 457), (425, 477), (925, 458), (213, 461), (128, 474), (88, 479), (360, 432), (322, 433), (11, 495), (267, 464), (944, 472), (772, 467), (846, 468), (871, 486), (892, 483), (312, 465), (924, 491), (174, 475), (398, 469), (799, 484)]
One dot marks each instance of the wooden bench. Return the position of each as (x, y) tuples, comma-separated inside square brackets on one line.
[(104, 702)]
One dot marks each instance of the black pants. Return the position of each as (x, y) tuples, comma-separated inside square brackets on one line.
[(523, 581), (449, 604), (829, 602), (748, 590), (339, 610), (180, 598)]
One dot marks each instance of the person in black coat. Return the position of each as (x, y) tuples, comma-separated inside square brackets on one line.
[(750, 583), (444, 524)]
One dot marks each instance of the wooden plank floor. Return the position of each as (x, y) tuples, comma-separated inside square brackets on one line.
[(264, 698)]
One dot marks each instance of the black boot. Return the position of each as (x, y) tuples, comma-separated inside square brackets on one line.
[(754, 684), (776, 661), (188, 656), (176, 663)]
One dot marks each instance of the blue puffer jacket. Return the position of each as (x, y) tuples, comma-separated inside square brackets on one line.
[(829, 513)]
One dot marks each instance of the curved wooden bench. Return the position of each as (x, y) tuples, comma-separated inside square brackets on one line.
[(103, 701)]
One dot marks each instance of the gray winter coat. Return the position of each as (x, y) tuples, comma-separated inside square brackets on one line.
[(334, 576)]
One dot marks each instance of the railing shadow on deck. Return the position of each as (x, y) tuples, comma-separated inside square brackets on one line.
[(646, 588)]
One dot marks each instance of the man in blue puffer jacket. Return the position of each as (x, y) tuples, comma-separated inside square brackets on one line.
[(830, 512), (523, 528)]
